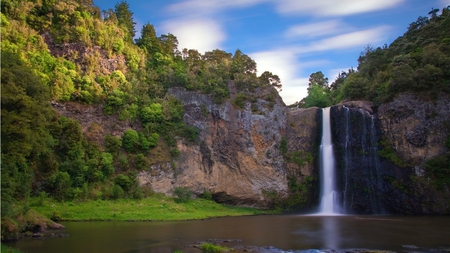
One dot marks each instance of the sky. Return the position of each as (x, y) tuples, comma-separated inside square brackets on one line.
[(290, 38)]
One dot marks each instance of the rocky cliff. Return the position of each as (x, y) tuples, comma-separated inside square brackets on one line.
[(381, 155), (237, 157)]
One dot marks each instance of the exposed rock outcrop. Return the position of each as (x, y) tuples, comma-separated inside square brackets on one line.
[(415, 127), (237, 157), (380, 155)]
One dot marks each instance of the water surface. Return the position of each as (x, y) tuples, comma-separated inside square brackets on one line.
[(287, 232)]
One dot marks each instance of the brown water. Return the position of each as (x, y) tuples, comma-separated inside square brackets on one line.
[(287, 232)]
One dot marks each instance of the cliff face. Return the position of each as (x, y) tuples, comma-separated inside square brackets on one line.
[(416, 128), (380, 155), (237, 156)]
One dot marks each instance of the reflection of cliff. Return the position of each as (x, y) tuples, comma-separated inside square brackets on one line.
[(380, 155)]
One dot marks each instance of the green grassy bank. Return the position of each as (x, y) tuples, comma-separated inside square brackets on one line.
[(157, 208)]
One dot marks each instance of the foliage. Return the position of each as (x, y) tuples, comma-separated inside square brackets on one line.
[(300, 192), (418, 62), (438, 168), (283, 145), (211, 248), (130, 140), (207, 195), (388, 152), (182, 194)]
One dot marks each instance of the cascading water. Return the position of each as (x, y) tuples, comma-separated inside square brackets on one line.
[(359, 181), (328, 204)]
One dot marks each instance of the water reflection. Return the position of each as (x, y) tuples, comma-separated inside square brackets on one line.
[(286, 232)]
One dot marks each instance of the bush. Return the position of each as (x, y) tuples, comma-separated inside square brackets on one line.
[(207, 195), (130, 140), (182, 194), (117, 192), (211, 248), (123, 181)]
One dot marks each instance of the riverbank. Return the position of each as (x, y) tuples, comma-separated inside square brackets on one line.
[(155, 208)]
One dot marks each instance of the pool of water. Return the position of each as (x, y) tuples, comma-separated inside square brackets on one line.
[(286, 232)]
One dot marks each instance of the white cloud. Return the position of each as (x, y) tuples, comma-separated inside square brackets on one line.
[(202, 7), (315, 29), (333, 8), (201, 34), (347, 40), (286, 66), (444, 3)]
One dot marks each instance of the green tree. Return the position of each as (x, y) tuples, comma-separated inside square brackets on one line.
[(319, 79), (152, 113), (169, 44), (25, 138), (271, 79), (125, 19), (130, 140), (149, 40)]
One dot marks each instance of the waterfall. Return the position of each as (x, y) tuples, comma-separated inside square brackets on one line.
[(328, 204), (359, 166)]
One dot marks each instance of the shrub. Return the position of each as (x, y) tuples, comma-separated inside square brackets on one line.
[(182, 194), (130, 140), (211, 248), (124, 181), (117, 192), (207, 195)]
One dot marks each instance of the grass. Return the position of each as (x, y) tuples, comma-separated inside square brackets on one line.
[(158, 208), (6, 249)]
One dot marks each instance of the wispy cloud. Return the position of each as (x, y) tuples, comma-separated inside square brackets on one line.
[(333, 8), (201, 34), (202, 7), (312, 30), (347, 40)]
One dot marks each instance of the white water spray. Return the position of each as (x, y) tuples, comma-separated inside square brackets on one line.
[(328, 203)]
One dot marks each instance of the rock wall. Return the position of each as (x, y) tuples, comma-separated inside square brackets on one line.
[(237, 157), (415, 127), (409, 129)]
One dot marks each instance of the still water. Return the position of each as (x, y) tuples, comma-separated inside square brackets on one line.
[(287, 232)]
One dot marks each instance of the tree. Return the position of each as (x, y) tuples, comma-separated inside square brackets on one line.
[(25, 116), (152, 113), (317, 96), (271, 79), (130, 140), (169, 44), (319, 79), (125, 19), (149, 40)]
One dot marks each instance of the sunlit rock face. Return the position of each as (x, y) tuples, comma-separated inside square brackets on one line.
[(410, 129), (237, 156)]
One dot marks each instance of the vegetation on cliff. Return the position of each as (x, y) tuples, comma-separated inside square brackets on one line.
[(418, 61), (59, 51)]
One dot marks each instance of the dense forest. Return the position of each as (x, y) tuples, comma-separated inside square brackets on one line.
[(71, 51), (418, 61), (60, 51)]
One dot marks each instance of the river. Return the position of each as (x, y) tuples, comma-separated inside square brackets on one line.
[(287, 232)]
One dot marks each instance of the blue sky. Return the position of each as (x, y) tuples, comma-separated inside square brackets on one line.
[(290, 38)]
